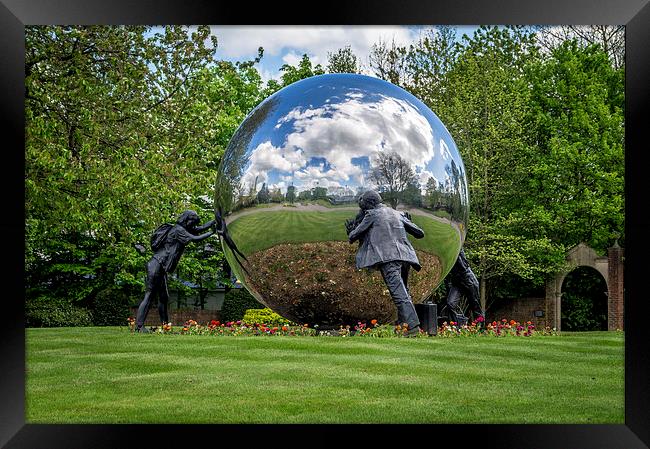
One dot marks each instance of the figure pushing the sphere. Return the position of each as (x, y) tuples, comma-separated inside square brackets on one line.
[(168, 243), (385, 247)]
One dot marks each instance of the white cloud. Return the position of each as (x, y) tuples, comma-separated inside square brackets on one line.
[(291, 42), (292, 58)]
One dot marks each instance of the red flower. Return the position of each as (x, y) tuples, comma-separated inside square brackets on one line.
[(480, 319), (214, 323)]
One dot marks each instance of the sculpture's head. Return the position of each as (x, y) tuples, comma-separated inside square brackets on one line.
[(188, 219), (369, 199)]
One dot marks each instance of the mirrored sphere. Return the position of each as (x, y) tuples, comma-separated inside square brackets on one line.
[(292, 174)]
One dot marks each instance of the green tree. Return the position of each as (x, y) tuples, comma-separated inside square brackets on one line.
[(575, 179), (389, 62), (263, 196), (487, 113), (291, 194), (124, 130), (393, 175), (343, 61), (318, 193), (610, 39), (291, 74), (429, 62)]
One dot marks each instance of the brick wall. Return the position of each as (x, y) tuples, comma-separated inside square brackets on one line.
[(615, 300), (521, 310), (179, 317)]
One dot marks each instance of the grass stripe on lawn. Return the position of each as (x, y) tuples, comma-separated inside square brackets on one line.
[(108, 375)]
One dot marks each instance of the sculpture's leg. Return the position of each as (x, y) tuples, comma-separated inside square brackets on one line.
[(150, 289), (453, 303), (143, 309), (471, 287), (405, 275), (163, 300), (392, 274)]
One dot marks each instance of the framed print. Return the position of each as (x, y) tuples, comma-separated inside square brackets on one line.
[(16, 15)]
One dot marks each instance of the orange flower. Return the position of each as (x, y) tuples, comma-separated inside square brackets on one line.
[(513, 322), (373, 322), (285, 328)]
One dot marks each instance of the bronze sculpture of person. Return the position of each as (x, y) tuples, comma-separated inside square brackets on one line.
[(462, 281), (167, 252), (385, 247)]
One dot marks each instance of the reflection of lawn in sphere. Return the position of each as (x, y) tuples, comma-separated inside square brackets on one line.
[(263, 230)]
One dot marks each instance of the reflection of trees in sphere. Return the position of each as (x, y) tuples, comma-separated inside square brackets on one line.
[(291, 177)]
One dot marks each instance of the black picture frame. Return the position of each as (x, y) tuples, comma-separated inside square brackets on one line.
[(15, 14)]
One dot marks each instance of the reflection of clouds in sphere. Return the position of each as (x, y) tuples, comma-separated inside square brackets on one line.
[(444, 150), (341, 132), (332, 131)]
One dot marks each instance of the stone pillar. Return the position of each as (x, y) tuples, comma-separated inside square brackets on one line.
[(615, 300), (551, 310), (558, 310)]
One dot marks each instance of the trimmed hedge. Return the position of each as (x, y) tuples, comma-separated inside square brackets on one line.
[(235, 304), (264, 316)]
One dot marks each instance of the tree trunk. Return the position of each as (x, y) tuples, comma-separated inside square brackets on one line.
[(483, 292)]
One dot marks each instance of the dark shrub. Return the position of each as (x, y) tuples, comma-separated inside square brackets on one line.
[(110, 307), (53, 312), (235, 304)]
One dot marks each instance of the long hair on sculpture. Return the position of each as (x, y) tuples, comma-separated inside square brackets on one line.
[(293, 173), (188, 219)]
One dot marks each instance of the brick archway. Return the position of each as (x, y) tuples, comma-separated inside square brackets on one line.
[(610, 267)]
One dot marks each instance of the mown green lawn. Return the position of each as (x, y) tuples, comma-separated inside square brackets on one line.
[(108, 375)]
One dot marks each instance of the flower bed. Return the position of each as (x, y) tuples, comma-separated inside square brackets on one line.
[(503, 328)]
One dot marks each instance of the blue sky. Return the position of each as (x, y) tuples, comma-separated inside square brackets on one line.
[(287, 44)]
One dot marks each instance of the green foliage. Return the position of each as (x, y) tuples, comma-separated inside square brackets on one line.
[(304, 70), (576, 167), (52, 312), (342, 61), (291, 194), (584, 301), (124, 130), (110, 307), (264, 316), (235, 304)]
